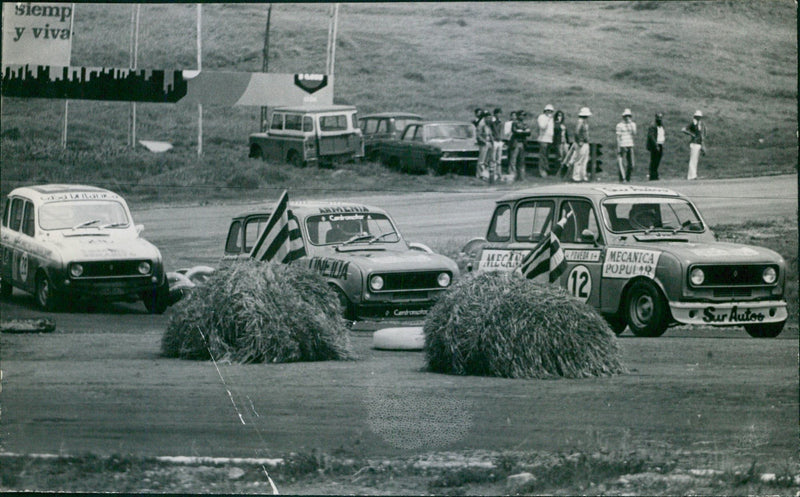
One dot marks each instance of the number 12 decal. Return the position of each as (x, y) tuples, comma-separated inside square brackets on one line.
[(579, 283)]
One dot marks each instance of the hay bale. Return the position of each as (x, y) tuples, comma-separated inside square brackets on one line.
[(497, 324), (258, 312)]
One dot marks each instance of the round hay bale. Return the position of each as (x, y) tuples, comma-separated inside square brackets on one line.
[(403, 338), (259, 312), (498, 324)]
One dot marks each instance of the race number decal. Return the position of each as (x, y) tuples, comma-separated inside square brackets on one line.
[(579, 283)]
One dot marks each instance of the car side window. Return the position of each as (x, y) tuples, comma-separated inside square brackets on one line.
[(233, 245), (383, 126), (16, 214), (580, 216), (308, 124), (370, 126), (500, 226), (252, 231), (418, 134), (5, 212), (408, 134), (277, 121), (533, 220), (354, 120), (28, 225), (293, 122)]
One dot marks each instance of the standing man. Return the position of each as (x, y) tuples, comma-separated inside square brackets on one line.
[(496, 161), (626, 131), (545, 139), (516, 158), (655, 145), (484, 139), (582, 142), (697, 144)]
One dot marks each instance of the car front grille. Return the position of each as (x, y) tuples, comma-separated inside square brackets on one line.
[(732, 292), (105, 269), (423, 280), (733, 275)]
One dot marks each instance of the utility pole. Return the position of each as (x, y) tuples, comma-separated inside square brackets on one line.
[(265, 68), (199, 68), (332, 38), (134, 62), (66, 102)]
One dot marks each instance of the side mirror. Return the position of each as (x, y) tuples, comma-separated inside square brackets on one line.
[(588, 236), (139, 229), (420, 246)]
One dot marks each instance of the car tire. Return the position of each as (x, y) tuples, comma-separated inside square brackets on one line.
[(764, 330), (645, 310), (433, 166), (295, 159), (6, 289), (617, 323), (157, 301), (348, 309), (256, 152), (47, 298)]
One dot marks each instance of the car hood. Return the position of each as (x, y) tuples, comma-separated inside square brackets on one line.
[(101, 247), (713, 253), (453, 144), (395, 260)]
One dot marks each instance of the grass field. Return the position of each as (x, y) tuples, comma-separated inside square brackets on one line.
[(734, 60)]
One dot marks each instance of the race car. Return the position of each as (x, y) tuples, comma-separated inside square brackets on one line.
[(642, 256), (375, 272)]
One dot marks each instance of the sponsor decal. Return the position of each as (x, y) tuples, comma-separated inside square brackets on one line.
[(77, 196), (711, 315), (579, 283), (573, 255), (409, 312), (330, 268), (310, 83), (500, 260), (627, 263), (345, 217), (610, 190), (343, 209), (722, 252)]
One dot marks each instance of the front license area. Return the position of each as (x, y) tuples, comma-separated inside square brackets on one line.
[(731, 314)]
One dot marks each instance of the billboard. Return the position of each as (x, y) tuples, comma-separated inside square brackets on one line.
[(37, 33)]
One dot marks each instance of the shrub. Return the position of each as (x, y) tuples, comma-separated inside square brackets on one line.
[(496, 324), (259, 312)]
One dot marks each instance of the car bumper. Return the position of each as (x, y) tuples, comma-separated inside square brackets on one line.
[(393, 311), (729, 313), (110, 288)]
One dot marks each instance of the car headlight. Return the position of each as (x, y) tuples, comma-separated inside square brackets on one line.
[(376, 282), (769, 275), (443, 279), (144, 267), (76, 270), (698, 276)]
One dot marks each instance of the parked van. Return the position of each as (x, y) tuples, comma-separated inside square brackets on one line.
[(307, 135)]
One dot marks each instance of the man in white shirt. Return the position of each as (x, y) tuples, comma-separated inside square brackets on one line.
[(655, 145), (545, 139), (626, 131)]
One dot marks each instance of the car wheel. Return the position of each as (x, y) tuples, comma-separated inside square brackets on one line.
[(765, 330), (348, 310), (295, 159), (617, 323), (46, 295), (255, 152), (646, 311), (433, 166), (157, 301), (5, 289)]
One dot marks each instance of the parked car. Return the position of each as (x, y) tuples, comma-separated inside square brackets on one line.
[(642, 256), (436, 147), (358, 248), (71, 241), (376, 128), (313, 134)]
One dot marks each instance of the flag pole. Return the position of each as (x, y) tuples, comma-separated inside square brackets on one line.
[(199, 68), (332, 38), (265, 68), (134, 63), (66, 102)]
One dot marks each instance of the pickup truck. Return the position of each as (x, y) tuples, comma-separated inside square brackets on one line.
[(435, 147), (312, 134)]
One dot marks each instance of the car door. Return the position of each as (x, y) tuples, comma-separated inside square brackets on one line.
[(419, 150), (406, 145), (584, 253)]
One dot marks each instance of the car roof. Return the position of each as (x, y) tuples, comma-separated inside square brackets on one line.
[(303, 208), (393, 114), (445, 122), (315, 108), (58, 191), (593, 190)]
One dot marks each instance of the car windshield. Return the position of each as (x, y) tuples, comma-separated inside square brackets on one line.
[(449, 131), (334, 229), (627, 214), (83, 214)]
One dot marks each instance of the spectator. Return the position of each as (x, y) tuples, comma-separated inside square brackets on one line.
[(485, 143), (626, 131), (516, 158), (478, 117), (655, 145), (507, 125), (582, 141), (496, 159), (561, 137), (697, 143), (545, 138)]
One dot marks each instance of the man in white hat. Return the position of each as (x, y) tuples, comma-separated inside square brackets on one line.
[(626, 131), (697, 144), (545, 139), (582, 142)]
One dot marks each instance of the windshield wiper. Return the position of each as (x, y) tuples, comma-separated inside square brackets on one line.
[(357, 238), (112, 225), (379, 237), (85, 224)]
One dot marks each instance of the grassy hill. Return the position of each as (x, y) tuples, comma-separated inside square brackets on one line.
[(737, 61)]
